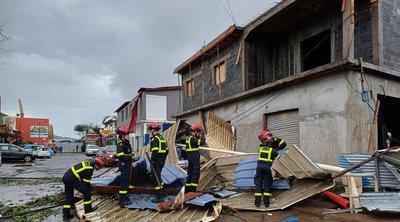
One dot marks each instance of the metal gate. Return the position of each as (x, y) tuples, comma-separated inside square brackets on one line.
[(285, 125)]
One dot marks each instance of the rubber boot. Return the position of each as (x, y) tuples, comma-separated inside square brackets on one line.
[(257, 202), (88, 208), (67, 214), (159, 197), (122, 203), (266, 201)]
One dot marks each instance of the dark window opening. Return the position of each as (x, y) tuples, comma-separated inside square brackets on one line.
[(388, 122), (316, 51)]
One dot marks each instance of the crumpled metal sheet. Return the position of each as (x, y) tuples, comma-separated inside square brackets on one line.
[(301, 189), (381, 201), (109, 210), (143, 201), (171, 175), (202, 200), (295, 164)]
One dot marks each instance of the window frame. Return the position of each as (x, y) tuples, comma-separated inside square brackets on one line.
[(216, 74)]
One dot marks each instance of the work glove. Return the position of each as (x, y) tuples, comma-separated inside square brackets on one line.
[(132, 156)]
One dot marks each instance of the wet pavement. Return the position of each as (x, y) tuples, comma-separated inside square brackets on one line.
[(24, 182), (40, 168)]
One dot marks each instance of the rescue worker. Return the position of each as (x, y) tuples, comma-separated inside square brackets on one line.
[(277, 143), (193, 142), (78, 177), (159, 152), (125, 157), (263, 179)]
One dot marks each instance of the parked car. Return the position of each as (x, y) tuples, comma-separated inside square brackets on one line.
[(91, 149), (12, 152), (110, 155), (32, 148), (43, 152)]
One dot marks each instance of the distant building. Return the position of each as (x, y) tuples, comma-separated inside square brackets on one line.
[(158, 104), (34, 129)]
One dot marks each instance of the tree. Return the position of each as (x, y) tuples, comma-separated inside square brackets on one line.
[(82, 129), (95, 128)]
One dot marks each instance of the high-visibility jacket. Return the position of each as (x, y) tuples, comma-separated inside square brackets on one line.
[(193, 143), (267, 154), (124, 150), (82, 171), (158, 145)]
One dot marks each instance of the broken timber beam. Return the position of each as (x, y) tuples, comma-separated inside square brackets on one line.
[(219, 150), (165, 206)]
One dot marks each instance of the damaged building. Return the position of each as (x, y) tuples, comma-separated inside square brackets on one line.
[(324, 75)]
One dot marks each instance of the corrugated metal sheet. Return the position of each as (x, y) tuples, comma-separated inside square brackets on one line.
[(301, 189), (220, 171), (294, 163), (388, 177), (143, 201), (381, 201), (170, 175), (109, 211), (245, 173), (169, 135), (219, 134), (285, 125), (202, 200)]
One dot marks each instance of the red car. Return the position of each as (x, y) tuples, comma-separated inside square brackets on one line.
[(110, 154)]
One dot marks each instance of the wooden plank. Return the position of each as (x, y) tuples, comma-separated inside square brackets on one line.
[(348, 31)]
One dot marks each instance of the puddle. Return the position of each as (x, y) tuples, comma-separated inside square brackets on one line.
[(21, 194)]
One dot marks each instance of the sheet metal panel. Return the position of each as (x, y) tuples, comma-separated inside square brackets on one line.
[(202, 200), (388, 176), (301, 189), (143, 201), (109, 210), (381, 201), (295, 164)]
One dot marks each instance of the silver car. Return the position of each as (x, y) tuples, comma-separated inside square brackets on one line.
[(91, 149)]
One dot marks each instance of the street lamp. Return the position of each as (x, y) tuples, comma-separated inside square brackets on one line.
[(38, 122)]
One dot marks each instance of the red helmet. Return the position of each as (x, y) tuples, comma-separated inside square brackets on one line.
[(123, 130), (100, 162), (196, 127), (155, 126), (265, 136)]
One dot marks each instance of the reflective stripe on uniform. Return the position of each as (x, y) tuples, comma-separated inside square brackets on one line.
[(267, 194), (67, 206), (86, 180), (158, 188), (258, 194), (87, 202), (130, 186), (189, 147), (265, 154), (120, 154), (280, 143), (161, 141), (123, 192), (194, 184), (85, 166)]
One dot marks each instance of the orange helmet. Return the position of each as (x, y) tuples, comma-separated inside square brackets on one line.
[(196, 127), (100, 162), (265, 136), (155, 126), (123, 130)]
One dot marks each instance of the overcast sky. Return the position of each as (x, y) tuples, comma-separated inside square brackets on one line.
[(77, 61)]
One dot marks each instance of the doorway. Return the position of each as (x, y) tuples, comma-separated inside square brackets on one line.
[(388, 122)]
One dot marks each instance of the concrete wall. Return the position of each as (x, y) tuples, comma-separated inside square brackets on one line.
[(390, 14), (126, 119), (204, 91)]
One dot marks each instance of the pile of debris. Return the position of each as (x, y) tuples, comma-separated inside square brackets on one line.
[(227, 181)]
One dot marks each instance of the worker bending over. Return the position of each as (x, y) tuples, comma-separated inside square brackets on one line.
[(78, 177)]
